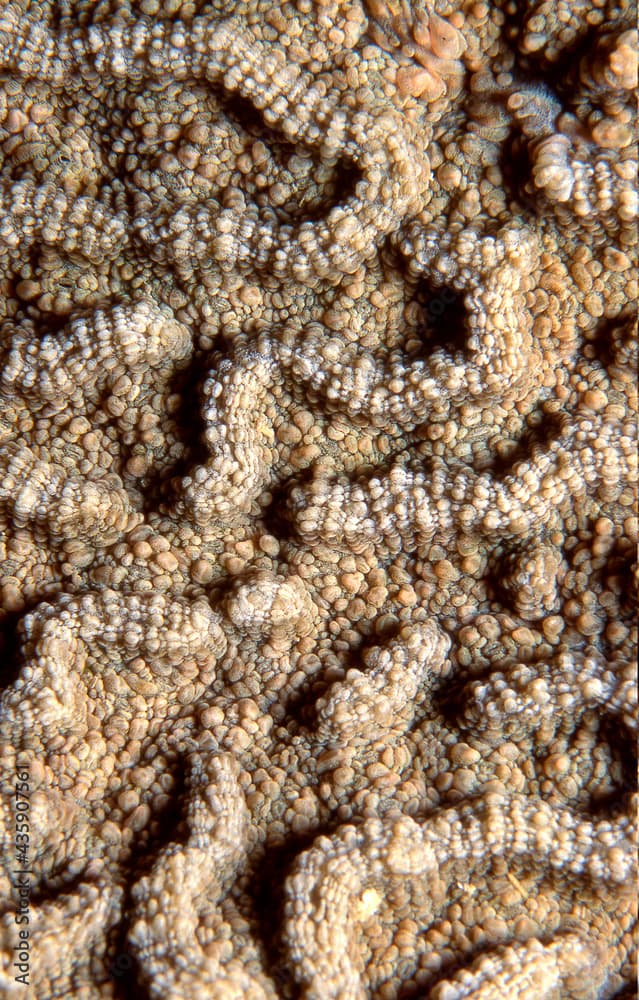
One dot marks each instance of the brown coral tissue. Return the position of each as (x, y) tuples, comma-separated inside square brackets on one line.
[(318, 499)]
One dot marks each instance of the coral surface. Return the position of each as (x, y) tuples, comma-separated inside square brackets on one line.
[(318, 492)]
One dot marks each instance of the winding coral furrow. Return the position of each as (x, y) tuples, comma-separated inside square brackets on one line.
[(82, 918), (391, 394), (106, 656), (138, 335), (404, 508), (568, 964), (44, 494), (191, 877), (344, 878), (239, 439), (318, 497), (395, 174), (527, 697), (33, 215)]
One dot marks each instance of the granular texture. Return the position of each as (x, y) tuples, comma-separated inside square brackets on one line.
[(318, 403)]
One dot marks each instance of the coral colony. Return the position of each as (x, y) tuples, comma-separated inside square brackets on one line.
[(318, 497)]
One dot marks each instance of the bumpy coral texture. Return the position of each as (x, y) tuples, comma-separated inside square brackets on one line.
[(318, 497)]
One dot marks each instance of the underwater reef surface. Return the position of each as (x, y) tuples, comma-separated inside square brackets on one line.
[(318, 498)]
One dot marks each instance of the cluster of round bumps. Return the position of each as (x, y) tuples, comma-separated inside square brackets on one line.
[(318, 496)]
